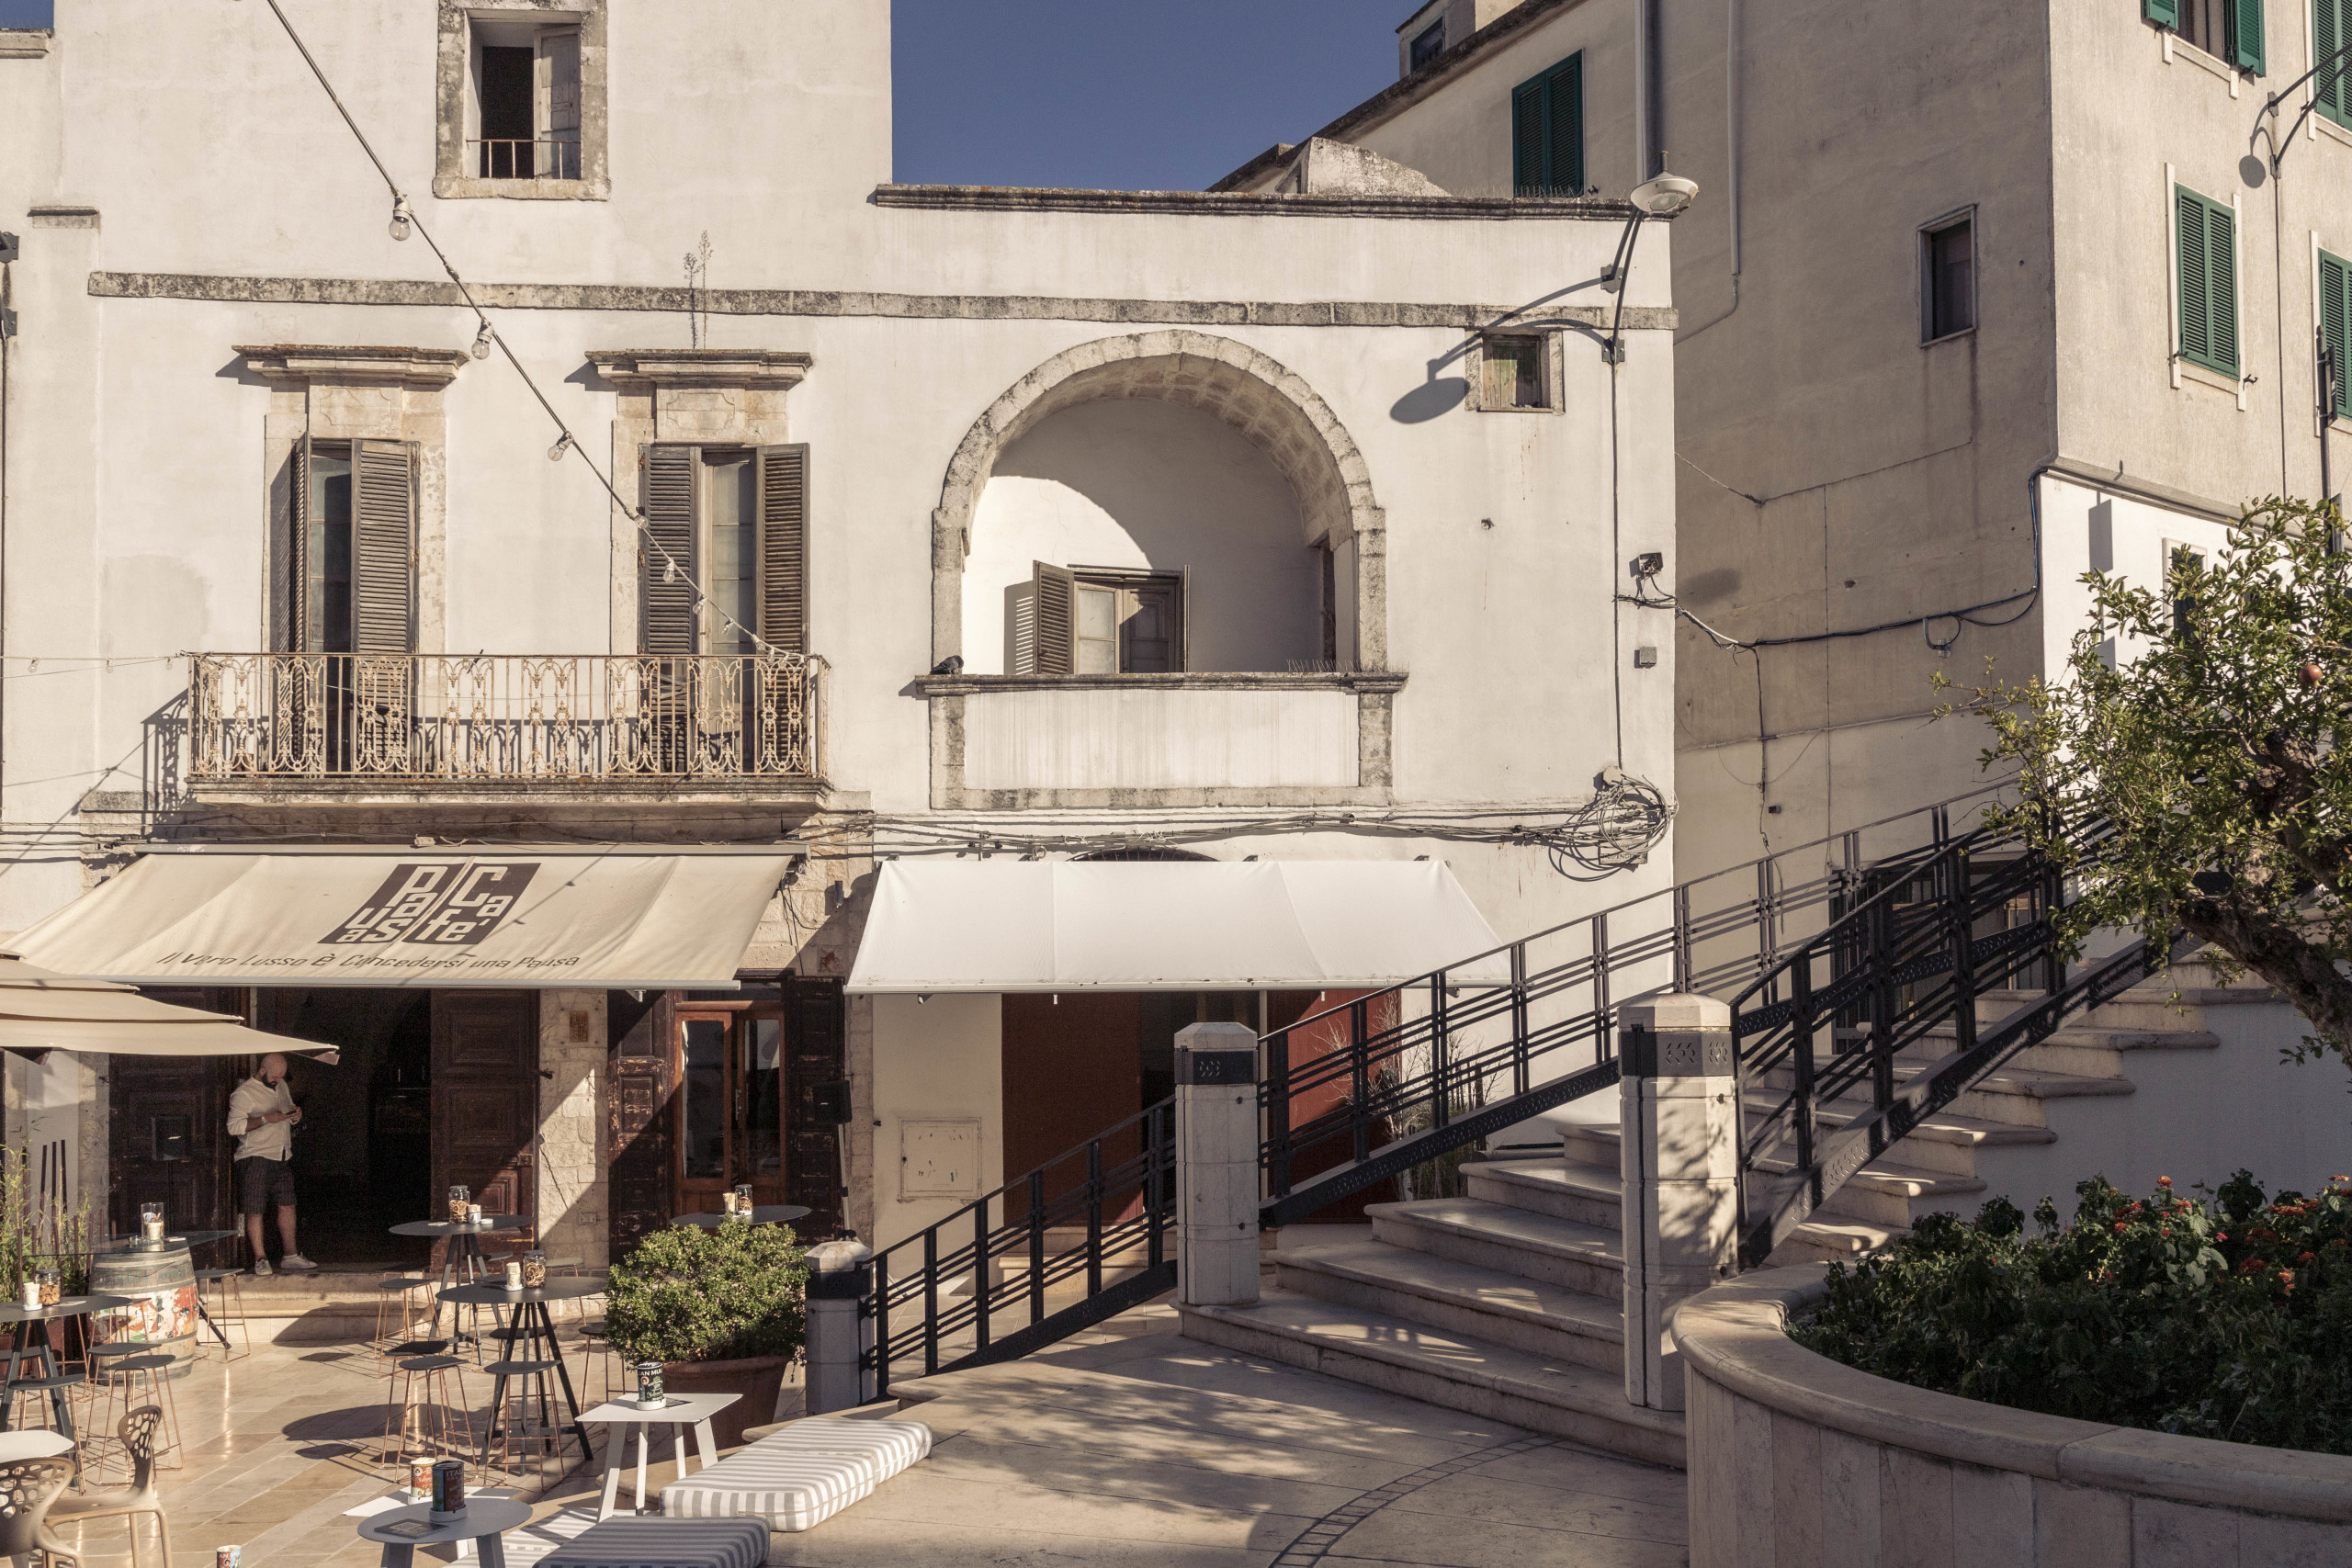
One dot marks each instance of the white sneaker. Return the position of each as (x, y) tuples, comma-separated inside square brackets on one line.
[(295, 1263), (261, 1269)]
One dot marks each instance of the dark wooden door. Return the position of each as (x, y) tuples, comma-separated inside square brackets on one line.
[(486, 1097), (816, 1016), (641, 1081), (167, 1139)]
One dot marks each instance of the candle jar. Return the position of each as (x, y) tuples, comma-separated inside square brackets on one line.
[(150, 1223), (514, 1276), (650, 1395), (52, 1286), (457, 1199), (534, 1270), (29, 1295), (472, 1215), (744, 1199)]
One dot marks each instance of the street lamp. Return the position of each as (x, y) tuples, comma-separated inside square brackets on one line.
[(1660, 198)]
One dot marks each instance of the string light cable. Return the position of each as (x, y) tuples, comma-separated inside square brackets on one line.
[(404, 219)]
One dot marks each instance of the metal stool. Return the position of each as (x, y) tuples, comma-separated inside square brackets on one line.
[(120, 1379), (49, 1394), (230, 1281), (511, 1426), (597, 1353), (397, 1308), (426, 1409)]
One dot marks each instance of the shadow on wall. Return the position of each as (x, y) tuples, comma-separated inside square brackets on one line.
[(1136, 483)]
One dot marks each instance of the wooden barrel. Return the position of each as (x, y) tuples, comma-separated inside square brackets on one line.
[(162, 1284)]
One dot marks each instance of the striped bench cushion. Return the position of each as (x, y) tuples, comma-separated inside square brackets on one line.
[(664, 1543), (800, 1476)]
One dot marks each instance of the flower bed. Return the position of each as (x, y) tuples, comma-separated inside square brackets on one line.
[(2225, 1316)]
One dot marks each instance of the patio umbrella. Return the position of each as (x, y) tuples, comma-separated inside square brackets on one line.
[(41, 1011)]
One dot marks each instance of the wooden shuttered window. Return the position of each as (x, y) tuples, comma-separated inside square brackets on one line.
[(351, 573), (1547, 132), (2206, 262), (2163, 12), (1053, 629), (306, 616), (2336, 325), (2331, 31), (2246, 35), (784, 547), (666, 607)]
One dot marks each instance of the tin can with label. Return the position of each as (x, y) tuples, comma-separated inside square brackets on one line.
[(650, 1394), (227, 1556), (420, 1479), (449, 1488)]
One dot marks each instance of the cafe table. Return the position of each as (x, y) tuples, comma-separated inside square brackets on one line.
[(40, 1319), (483, 1522), (465, 1253), (762, 1214), (191, 1240), (531, 1316)]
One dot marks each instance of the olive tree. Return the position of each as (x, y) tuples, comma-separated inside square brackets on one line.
[(2204, 720)]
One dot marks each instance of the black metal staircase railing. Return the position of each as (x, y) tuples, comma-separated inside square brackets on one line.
[(1381, 1082)]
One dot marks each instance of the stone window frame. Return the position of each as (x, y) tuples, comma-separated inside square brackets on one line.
[(1554, 371), (451, 74), (358, 393)]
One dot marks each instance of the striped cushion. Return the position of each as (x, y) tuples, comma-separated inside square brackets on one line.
[(664, 1543), (797, 1478)]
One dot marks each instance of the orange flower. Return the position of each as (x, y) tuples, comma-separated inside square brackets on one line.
[(2164, 1181)]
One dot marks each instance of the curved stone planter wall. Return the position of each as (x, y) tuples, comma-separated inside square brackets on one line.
[(1796, 1461)]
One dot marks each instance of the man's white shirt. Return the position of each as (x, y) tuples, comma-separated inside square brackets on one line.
[(271, 1140)]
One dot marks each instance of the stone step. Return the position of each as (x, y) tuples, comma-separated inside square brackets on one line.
[(2088, 1051), (1944, 1142), (1493, 1381), (1887, 1193), (2014, 1096), (1506, 1240), (1459, 1298), (1586, 1194)]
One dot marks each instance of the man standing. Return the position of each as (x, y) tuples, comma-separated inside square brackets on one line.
[(262, 1117)]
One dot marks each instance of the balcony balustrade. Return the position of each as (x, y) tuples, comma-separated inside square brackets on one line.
[(505, 719)]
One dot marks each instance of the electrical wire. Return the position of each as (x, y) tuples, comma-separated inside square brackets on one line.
[(1725, 640), (567, 443)]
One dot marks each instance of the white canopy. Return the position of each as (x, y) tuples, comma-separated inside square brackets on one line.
[(1167, 925), (623, 918), (42, 1010)]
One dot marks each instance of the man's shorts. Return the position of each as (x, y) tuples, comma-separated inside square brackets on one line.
[(264, 1184)]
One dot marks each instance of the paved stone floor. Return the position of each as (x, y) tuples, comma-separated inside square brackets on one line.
[(1131, 1445)]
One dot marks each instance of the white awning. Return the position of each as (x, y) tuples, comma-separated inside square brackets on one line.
[(43, 1011), (631, 918), (1167, 925)]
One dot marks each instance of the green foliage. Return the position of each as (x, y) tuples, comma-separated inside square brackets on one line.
[(36, 1235), (689, 1294), (2202, 718), (2226, 1317)]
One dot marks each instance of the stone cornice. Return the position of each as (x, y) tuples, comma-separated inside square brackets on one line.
[(1189, 680), (637, 369), (25, 43), (1248, 204), (347, 363)]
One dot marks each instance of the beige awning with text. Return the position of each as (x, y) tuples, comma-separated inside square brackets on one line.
[(622, 918)]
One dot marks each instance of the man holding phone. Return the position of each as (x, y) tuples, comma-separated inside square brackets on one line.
[(262, 1118)]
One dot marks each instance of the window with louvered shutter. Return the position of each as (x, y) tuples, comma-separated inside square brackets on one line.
[(2163, 12), (784, 546), (304, 633), (666, 584), (2246, 35), (2335, 324), (2206, 261), (2330, 34), (1054, 593), (383, 547), (1547, 132)]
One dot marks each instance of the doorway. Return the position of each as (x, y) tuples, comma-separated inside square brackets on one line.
[(730, 1103)]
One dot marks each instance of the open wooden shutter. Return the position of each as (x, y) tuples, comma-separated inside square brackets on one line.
[(666, 596), (305, 615), (2246, 35), (2221, 283), (1054, 590), (2327, 37), (2335, 316), (2196, 305), (556, 85), (1527, 138), (2167, 13), (383, 547), (784, 546), (1563, 135)]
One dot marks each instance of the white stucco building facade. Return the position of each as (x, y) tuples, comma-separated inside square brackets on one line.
[(1027, 523)]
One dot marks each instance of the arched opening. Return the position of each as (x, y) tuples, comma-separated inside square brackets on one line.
[(1169, 501)]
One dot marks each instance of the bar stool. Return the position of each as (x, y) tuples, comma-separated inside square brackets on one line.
[(510, 1415), (426, 1408), (230, 1283), (397, 1307), (73, 1385), (120, 1381), (597, 1355)]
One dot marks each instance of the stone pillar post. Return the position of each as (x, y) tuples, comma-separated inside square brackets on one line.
[(841, 1334), (1679, 1117), (1217, 1165)]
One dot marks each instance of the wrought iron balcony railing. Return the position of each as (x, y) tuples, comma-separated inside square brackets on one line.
[(506, 717)]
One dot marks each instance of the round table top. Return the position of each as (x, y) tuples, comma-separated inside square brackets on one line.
[(679, 1408), (33, 1442), (65, 1306), (499, 1295), (762, 1214), (484, 1516), (177, 1238), (450, 1227)]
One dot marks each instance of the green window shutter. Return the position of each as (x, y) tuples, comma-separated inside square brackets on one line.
[(2222, 284), (784, 547), (1564, 138), (383, 547), (305, 618), (2246, 35), (2196, 324), (2327, 37), (666, 607), (2335, 281), (1527, 138), (2167, 13)]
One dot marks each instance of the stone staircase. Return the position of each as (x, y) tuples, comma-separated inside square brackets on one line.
[(1507, 1302)]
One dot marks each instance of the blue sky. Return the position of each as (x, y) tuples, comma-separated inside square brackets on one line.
[(1126, 95)]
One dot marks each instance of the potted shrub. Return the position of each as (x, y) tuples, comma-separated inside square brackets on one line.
[(720, 1309)]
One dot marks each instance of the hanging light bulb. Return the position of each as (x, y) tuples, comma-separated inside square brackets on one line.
[(481, 342), (562, 444), (669, 570), (400, 224)]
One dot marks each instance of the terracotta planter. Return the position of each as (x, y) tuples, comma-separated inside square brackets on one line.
[(757, 1379)]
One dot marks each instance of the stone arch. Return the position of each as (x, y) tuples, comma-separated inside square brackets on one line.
[(1254, 393)]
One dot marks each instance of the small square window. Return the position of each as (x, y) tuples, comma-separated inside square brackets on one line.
[(1513, 373), (1427, 44), (1948, 264)]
